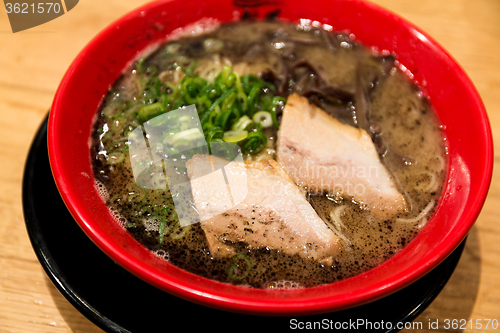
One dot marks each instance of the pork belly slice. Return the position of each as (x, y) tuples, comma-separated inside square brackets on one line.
[(324, 155), (272, 212)]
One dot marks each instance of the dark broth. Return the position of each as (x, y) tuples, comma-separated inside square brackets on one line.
[(403, 126)]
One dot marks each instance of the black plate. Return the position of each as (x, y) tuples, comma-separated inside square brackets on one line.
[(117, 301)]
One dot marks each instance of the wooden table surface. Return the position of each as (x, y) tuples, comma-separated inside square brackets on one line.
[(32, 63)]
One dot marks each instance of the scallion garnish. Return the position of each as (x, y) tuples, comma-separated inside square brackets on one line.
[(241, 267)]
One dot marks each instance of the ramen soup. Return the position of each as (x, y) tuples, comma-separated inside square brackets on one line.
[(342, 154)]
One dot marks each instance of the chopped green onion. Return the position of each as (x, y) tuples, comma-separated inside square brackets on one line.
[(256, 141), (115, 158), (235, 136), (222, 119), (139, 63), (140, 209), (252, 98), (242, 123), (128, 129), (157, 121), (179, 232), (230, 108), (117, 124), (173, 48), (161, 230), (106, 136), (136, 193), (112, 110), (150, 111), (214, 133), (190, 134), (220, 99), (242, 100), (276, 101), (241, 267), (120, 145), (264, 118), (213, 45)]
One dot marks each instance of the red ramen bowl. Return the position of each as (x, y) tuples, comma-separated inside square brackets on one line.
[(458, 105)]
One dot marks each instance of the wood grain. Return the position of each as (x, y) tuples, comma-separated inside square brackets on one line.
[(33, 62)]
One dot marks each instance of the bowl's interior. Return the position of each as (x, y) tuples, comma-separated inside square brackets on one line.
[(452, 94)]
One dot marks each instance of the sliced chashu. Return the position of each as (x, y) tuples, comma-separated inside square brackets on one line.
[(271, 211), (324, 155)]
